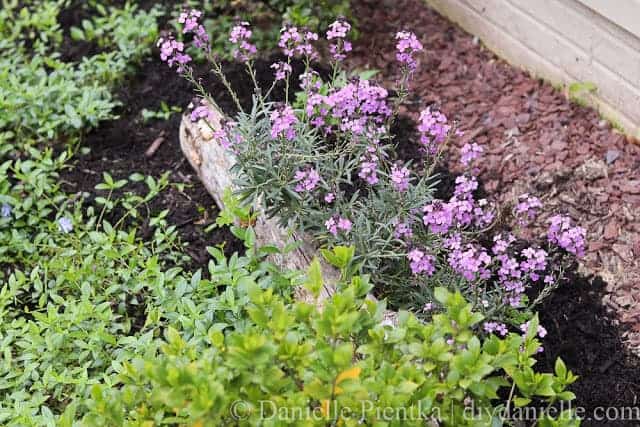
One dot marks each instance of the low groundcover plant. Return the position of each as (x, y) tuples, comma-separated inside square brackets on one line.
[(290, 363), (326, 162)]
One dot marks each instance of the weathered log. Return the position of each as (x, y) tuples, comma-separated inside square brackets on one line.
[(213, 165)]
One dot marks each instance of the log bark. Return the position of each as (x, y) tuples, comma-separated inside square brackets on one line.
[(213, 165)]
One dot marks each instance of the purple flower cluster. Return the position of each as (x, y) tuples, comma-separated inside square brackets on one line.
[(295, 42), (570, 238), (400, 178), (461, 210), (469, 153), (282, 123), (406, 47), (542, 332), (433, 129), (281, 70), (527, 208), (403, 230), (338, 32), (357, 107), (240, 35), (421, 262), (226, 136), (202, 112), (535, 261), (307, 180), (191, 25), (172, 52), (338, 223), (471, 262), (495, 327), (329, 197), (310, 81), (369, 166)]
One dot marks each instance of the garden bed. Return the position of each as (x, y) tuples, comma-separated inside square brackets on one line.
[(580, 329)]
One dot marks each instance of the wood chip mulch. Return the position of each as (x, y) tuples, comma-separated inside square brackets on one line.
[(535, 140)]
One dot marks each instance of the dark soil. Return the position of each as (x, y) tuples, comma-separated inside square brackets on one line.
[(582, 333), (118, 148)]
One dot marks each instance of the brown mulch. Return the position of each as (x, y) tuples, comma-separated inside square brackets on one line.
[(535, 140)]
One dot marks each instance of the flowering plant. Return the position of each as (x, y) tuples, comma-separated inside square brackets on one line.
[(326, 162)]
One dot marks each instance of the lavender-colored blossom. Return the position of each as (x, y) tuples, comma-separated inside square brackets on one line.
[(296, 42), (542, 332), (421, 262), (407, 46), (338, 31), (402, 230), (570, 238), (469, 153), (310, 81), (472, 262), (329, 197), (535, 262), (369, 166), (400, 178), (527, 208), (281, 70), (65, 225), (191, 25), (240, 37), (282, 123), (202, 112), (307, 180), (5, 210), (337, 223), (433, 129), (172, 52), (491, 327), (502, 242)]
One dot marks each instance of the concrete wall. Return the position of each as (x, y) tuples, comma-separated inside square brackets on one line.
[(565, 41)]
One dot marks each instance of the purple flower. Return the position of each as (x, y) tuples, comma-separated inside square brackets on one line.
[(344, 224), (502, 243), (542, 332), (329, 197), (469, 153), (307, 180), (5, 210), (310, 80), (369, 166), (202, 112), (420, 262), (336, 223), (471, 262), (240, 35), (227, 136), (572, 239), (491, 327), (338, 31), (65, 225), (433, 129), (427, 307), (527, 208), (535, 261), (406, 47), (402, 229), (295, 42), (191, 25), (400, 178), (281, 69), (172, 52), (282, 123)]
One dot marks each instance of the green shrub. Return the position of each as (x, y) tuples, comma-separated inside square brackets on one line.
[(293, 364)]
